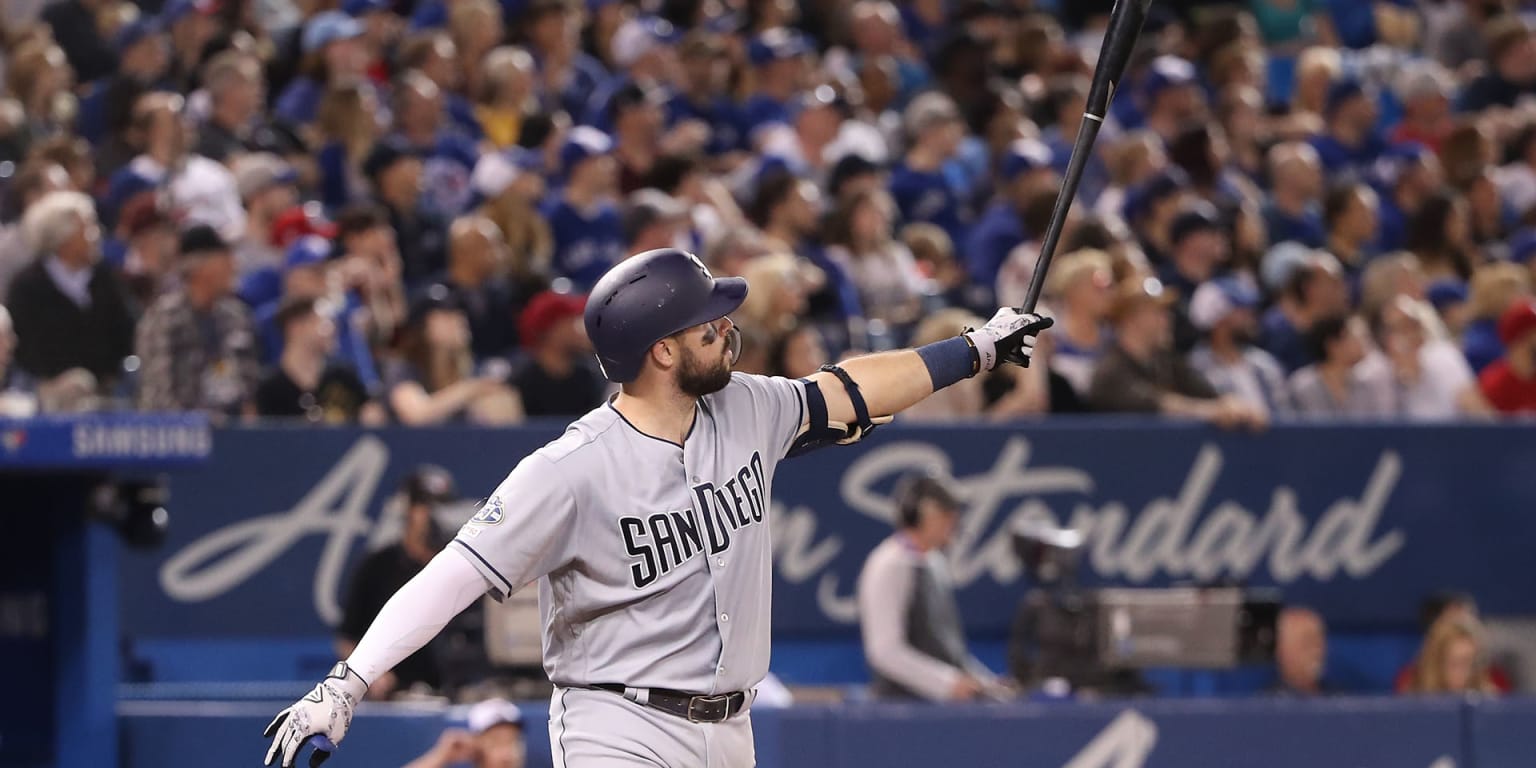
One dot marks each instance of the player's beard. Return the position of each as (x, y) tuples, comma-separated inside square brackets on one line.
[(697, 378)]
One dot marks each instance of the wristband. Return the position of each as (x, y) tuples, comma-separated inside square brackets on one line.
[(950, 360)]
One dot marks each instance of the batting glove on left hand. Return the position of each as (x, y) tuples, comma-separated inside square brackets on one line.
[(1009, 337), (322, 717)]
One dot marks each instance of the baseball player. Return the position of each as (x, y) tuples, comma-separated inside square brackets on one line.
[(646, 526)]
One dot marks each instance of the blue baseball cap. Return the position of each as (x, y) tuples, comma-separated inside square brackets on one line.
[(355, 8), (1165, 72), (136, 30), (1024, 156), (329, 27), (1443, 293), (1139, 199), (1397, 158), (776, 45), (307, 250), (176, 10), (582, 143), (1341, 92), (1214, 299)]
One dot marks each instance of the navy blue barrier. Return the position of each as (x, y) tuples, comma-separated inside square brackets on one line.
[(1360, 522), (1341, 733)]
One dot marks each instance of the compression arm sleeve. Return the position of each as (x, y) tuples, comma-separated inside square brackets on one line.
[(443, 589)]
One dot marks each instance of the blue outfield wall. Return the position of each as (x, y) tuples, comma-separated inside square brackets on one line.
[(1358, 521), (1336, 733)]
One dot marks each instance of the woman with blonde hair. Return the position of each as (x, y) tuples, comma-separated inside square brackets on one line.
[(511, 191), (347, 126), (505, 95), (1453, 659), (778, 298), (1494, 288)]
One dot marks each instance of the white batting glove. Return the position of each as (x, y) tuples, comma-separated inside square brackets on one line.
[(1009, 337), (322, 717)]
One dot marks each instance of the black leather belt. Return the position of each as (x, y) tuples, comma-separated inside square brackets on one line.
[(695, 708)]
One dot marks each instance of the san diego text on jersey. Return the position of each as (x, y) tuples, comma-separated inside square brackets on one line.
[(665, 540)]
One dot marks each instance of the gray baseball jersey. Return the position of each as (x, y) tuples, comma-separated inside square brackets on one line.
[(653, 558)]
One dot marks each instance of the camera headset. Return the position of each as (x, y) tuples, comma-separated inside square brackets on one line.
[(916, 487)]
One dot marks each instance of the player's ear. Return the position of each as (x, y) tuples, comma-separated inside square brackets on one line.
[(665, 353)]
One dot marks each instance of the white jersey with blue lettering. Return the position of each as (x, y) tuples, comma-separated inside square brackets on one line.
[(653, 558)]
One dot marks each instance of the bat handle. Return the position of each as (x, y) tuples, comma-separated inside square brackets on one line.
[(1087, 132)]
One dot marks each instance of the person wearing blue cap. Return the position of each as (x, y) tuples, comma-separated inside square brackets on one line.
[(1223, 312), (1024, 170), (1404, 177), (644, 51), (192, 25), (586, 225), (1151, 206), (1351, 138), (1200, 247), (332, 51), (1170, 96), (778, 57), (143, 58), (395, 169)]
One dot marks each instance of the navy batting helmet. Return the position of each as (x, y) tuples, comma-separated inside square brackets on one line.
[(651, 296)]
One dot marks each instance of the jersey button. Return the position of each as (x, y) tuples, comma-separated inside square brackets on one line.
[(720, 562), (720, 671), (725, 617)]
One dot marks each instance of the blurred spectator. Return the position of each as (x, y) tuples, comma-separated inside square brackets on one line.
[(69, 307), (1351, 212), (1171, 97), (236, 122), (556, 377), (1425, 90), (798, 353), (31, 183), (1512, 67), (585, 223), (1294, 211), (1448, 298), (200, 190), (394, 167), (73, 24), (146, 240), (17, 401), (40, 80), (371, 273), (1301, 653), (1440, 234), (510, 186), (1350, 139), (1134, 160), (1493, 290), (654, 219), (1141, 373), (569, 75), (1337, 385), (858, 239), (1509, 383), (1388, 277), (1405, 176), (923, 190), (304, 384), (1024, 172), (477, 267), (935, 258), (347, 125), (1080, 286), (384, 571), (635, 114), (494, 740), (432, 381), (778, 297), (1018, 269), (1199, 247), (1222, 310), (333, 53), (1310, 287), (1151, 206), (913, 637), (1453, 660), (506, 95), (448, 156), (268, 186), (1429, 376), (196, 346)]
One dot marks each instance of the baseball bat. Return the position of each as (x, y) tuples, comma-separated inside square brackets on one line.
[(1125, 22)]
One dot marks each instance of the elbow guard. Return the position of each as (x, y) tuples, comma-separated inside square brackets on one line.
[(818, 431)]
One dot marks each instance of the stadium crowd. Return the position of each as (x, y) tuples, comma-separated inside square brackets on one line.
[(389, 210)]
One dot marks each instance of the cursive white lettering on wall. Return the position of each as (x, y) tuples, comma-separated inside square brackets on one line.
[(337, 505), (1186, 536)]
